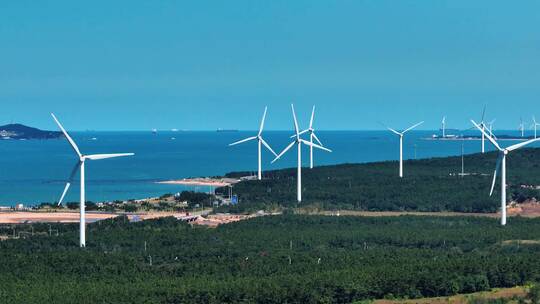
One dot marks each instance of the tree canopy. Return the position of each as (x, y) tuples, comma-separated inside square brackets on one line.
[(271, 259)]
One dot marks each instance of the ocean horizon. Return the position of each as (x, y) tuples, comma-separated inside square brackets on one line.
[(35, 171)]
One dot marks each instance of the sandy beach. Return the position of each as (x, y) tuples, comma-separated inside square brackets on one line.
[(212, 182)]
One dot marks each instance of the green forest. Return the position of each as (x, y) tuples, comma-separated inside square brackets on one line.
[(270, 259), (428, 185)]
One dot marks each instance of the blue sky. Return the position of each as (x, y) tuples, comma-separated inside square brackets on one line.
[(137, 65)]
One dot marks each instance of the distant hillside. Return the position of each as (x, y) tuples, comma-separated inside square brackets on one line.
[(18, 131), (429, 185)]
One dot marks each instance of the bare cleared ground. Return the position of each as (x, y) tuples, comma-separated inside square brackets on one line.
[(506, 293), (20, 217), (531, 209)]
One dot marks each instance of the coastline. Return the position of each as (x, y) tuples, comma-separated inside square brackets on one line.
[(202, 181)]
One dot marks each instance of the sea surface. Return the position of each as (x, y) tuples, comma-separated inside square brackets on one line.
[(34, 171)]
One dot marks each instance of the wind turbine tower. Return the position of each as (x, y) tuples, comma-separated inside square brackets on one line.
[(522, 127), (443, 125), (535, 125)]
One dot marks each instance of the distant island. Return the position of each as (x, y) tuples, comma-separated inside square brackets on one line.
[(18, 131), (220, 130)]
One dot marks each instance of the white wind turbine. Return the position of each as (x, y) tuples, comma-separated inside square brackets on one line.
[(501, 165), (483, 126), (299, 141), (401, 134), (260, 141), (490, 124), (443, 125), (80, 165), (312, 136), (522, 127), (534, 125)]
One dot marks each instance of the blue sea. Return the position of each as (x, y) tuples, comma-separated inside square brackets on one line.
[(34, 171)]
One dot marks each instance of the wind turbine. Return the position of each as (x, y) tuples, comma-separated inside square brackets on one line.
[(299, 141), (81, 165), (401, 134), (443, 123), (260, 141), (490, 124), (483, 125), (522, 127), (312, 136), (501, 165), (534, 125)]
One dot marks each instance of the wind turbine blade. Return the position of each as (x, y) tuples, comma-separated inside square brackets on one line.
[(70, 180), (416, 125), (317, 139), (390, 129), (74, 171), (295, 121), (517, 146), (262, 121), (491, 132), (303, 132), (106, 156), (394, 131), (315, 145), (243, 141), (284, 151), (312, 116), (70, 140), (268, 146), (483, 114), (487, 135), (497, 168), (64, 193)]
